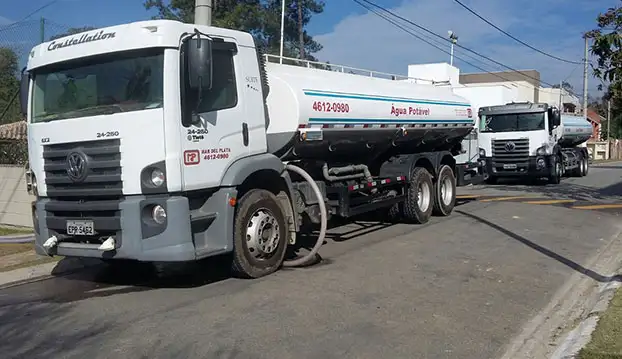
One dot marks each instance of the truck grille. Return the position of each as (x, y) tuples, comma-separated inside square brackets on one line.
[(103, 169), (105, 214), (510, 155)]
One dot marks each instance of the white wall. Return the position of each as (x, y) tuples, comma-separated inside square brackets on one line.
[(14, 199), (434, 72), (551, 97), (488, 95)]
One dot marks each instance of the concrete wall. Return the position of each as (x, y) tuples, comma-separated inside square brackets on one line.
[(14, 199)]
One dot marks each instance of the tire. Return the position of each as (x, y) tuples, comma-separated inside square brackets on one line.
[(581, 171), (492, 180), (417, 208), (555, 177), (444, 192), (587, 166), (254, 256)]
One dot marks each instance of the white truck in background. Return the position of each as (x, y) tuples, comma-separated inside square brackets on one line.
[(532, 141), (165, 141)]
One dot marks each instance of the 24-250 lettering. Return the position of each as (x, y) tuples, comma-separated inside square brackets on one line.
[(338, 107)]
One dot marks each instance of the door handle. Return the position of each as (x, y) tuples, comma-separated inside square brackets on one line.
[(245, 133)]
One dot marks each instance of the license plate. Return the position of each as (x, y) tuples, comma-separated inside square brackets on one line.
[(80, 228), (509, 166)]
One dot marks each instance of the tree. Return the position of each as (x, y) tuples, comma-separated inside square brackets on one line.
[(72, 31), (607, 47), (566, 86), (261, 18), (9, 85)]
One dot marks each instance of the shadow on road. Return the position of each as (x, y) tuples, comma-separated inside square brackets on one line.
[(22, 327), (566, 190), (547, 252)]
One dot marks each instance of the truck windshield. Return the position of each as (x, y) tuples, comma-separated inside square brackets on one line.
[(100, 85), (513, 122)]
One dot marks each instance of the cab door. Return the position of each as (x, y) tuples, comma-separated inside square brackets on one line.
[(218, 139)]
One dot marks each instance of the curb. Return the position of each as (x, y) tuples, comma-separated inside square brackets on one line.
[(45, 271), (28, 239), (580, 336)]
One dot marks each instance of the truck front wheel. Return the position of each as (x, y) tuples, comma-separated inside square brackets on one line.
[(445, 192), (557, 171), (260, 235)]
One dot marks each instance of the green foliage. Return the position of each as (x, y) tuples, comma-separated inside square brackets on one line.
[(72, 31), (9, 85), (566, 86), (14, 152), (607, 47), (261, 18)]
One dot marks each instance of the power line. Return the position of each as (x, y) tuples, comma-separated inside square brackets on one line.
[(458, 45), (434, 45), (513, 37), (419, 36), (50, 3)]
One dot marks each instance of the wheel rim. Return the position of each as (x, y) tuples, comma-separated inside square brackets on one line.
[(558, 168), (447, 191), (423, 196), (262, 234)]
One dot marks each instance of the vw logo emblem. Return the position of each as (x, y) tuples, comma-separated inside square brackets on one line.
[(77, 166), (510, 146)]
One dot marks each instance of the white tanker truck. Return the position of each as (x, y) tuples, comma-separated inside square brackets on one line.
[(532, 140), (164, 141)]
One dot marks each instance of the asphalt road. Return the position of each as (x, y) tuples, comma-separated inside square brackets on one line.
[(458, 287)]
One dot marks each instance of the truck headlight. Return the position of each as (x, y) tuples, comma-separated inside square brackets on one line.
[(541, 151), (482, 152), (157, 177), (158, 214)]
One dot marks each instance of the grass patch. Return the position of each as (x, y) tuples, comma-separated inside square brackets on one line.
[(13, 248), (30, 263), (5, 231), (606, 342)]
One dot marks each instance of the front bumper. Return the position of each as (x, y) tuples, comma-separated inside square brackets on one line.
[(470, 173), (534, 166), (185, 235)]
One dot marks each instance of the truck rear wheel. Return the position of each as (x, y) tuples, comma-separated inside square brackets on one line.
[(586, 165), (444, 192), (418, 206), (259, 235)]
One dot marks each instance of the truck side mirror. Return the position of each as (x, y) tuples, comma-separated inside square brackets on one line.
[(554, 118), (197, 75), (23, 92), (199, 55)]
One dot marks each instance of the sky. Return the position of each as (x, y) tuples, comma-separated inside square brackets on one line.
[(353, 36)]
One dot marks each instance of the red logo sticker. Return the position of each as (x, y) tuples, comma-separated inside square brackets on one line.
[(469, 113), (192, 157)]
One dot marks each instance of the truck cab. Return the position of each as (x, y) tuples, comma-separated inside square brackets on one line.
[(122, 165), (521, 140)]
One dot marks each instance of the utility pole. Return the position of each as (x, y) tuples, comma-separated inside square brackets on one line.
[(608, 121), (282, 30), (608, 128), (585, 79), (454, 40), (203, 12), (42, 30), (561, 108)]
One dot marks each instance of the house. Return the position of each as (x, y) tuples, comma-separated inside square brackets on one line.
[(596, 121)]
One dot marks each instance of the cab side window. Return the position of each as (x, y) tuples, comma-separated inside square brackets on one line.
[(223, 94)]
